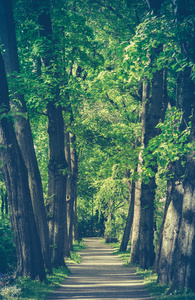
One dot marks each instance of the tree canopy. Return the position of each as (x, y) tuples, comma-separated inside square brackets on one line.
[(108, 91)]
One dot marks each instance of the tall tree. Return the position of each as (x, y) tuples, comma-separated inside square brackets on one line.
[(176, 265), (29, 256), (57, 168), (22, 126), (153, 111)]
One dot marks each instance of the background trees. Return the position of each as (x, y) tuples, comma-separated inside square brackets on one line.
[(115, 82)]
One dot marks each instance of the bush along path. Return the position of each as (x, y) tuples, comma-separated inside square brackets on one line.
[(101, 275)]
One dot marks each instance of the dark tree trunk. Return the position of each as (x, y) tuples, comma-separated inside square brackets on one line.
[(129, 221), (74, 172), (76, 228), (151, 115), (184, 267), (57, 168), (146, 249), (29, 256), (23, 130), (153, 111), (57, 183)]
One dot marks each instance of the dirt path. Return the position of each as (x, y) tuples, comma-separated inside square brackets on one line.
[(101, 275)]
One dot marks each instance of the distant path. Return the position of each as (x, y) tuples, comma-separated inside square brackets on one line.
[(100, 275)]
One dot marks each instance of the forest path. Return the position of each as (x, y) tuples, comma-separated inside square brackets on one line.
[(100, 275)]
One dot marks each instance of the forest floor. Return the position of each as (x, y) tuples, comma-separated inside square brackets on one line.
[(101, 275)]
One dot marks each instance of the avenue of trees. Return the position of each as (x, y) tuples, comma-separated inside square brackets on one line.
[(97, 131)]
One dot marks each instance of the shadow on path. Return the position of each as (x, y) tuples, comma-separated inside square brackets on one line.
[(101, 275)]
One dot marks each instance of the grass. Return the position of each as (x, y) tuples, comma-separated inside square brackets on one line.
[(159, 291), (75, 257), (150, 280), (34, 289)]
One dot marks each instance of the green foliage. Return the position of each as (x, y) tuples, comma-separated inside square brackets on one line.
[(10, 292), (98, 56), (3, 260), (34, 289), (75, 257), (41, 145), (170, 145), (7, 246), (78, 246), (152, 33), (110, 228)]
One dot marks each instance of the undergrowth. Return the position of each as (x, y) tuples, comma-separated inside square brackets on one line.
[(27, 289), (75, 257)]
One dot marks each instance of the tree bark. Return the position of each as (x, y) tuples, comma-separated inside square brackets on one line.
[(174, 231), (170, 188), (151, 115), (69, 191), (129, 221), (135, 236), (23, 130), (153, 110), (184, 268), (171, 225), (74, 171), (57, 170), (57, 167), (29, 256)]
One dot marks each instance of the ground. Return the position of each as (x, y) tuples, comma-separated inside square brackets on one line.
[(101, 275)]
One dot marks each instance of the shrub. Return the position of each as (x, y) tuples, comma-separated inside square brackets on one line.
[(10, 292)]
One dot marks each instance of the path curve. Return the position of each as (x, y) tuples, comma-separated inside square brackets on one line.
[(100, 275)]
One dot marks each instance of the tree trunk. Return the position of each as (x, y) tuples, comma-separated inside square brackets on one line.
[(23, 130), (57, 169), (170, 188), (74, 171), (171, 225), (152, 112), (184, 268), (29, 256), (69, 191), (135, 240), (174, 231), (76, 229), (147, 192), (129, 221)]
